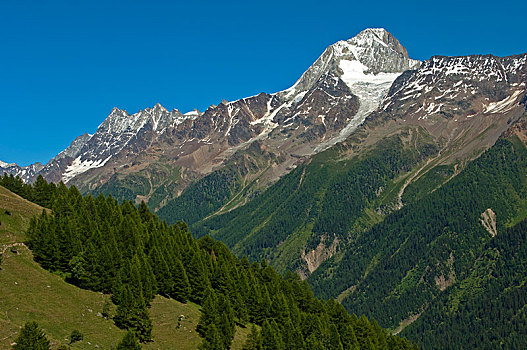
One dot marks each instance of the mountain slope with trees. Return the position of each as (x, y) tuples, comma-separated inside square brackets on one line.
[(438, 249), (101, 245), (24, 285)]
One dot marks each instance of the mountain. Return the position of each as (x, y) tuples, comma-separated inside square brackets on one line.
[(152, 269), (443, 114), (27, 173), (415, 209), (153, 155), (390, 184)]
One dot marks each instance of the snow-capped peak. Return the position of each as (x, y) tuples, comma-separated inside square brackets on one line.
[(375, 49), (367, 63), (193, 113), (6, 165)]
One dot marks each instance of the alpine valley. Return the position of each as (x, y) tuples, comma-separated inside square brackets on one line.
[(395, 186)]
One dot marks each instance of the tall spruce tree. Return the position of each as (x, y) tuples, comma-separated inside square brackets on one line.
[(226, 326), (129, 342), (212, 340), (198, 278), (181, 289), (271, 337), (31, 337)]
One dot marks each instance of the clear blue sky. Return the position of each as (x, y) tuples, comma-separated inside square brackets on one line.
[(65, 64)]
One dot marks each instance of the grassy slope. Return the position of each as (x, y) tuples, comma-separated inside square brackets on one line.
[(28, 292)]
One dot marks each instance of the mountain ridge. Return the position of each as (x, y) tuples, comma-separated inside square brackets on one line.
[(322, 108)]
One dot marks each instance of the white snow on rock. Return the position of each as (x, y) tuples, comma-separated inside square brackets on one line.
[(504, 105), (6, 165), (194, 113), (78, 167)]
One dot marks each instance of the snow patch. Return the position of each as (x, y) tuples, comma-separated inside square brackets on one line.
[(504, 105), (369, 88), (193, 113), (78, 167), (6, 165), (356, 72)]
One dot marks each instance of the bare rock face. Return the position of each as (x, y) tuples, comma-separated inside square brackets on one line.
[(466, 102)]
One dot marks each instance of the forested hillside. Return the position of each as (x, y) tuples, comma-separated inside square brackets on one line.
[(231, 184), (450, 259), (320, 201), (101, 245)]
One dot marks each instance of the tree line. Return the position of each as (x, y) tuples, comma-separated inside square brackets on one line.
[(117, 248)]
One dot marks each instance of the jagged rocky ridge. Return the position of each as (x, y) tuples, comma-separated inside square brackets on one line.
[(323, 107)]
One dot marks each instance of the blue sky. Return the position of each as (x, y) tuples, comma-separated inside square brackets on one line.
[(65, 64)]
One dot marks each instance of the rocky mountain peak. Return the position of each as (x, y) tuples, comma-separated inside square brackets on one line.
[(159, 108), (6, 165), (381, 36), (372, 52)]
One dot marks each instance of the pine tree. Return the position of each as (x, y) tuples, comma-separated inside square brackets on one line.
[(226, 326), (334, 341), (271, 339), (209, 315), (365, 333), (348, 338), (132, 314), (165, 281), (278, 309), (314, 343), (181, 285), (292, 337), (31, 337), (212, 341), (129, 342), (197, 277)]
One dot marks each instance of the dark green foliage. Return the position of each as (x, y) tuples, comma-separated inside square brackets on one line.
[(406, 260), (102, 245), (76, 336), (41, 192), (203, 197), (271, 339), (212, 340), (214, 190), (132, 314), (129, 342), (494, 298), (198, 278), (326, 197), (31, 337), (181, 285)]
